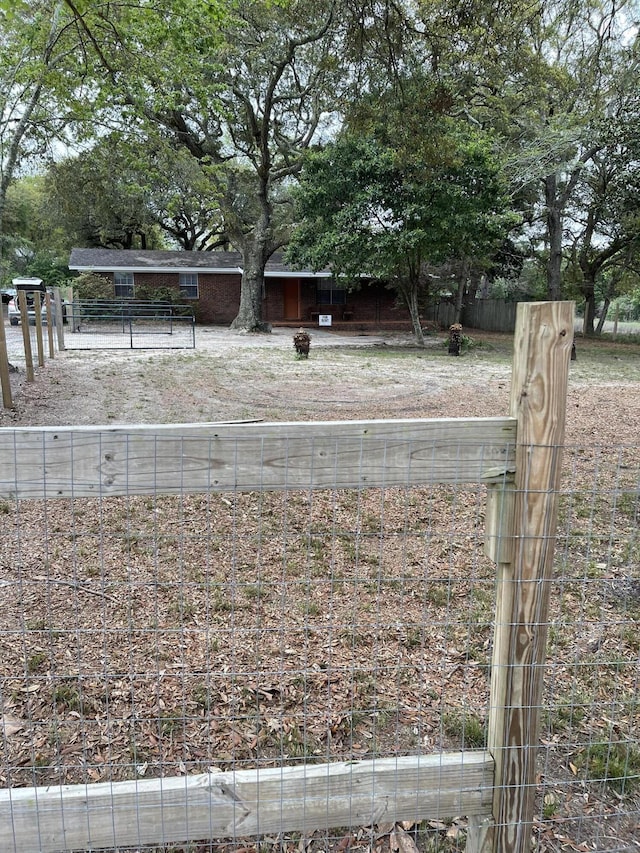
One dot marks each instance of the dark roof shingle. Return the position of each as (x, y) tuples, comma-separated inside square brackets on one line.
[(138, 260)]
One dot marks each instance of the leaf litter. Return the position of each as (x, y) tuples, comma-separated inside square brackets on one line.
[(162, 636)]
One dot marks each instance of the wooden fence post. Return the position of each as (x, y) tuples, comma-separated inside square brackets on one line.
[(7, 401), (26, 336), (37, 308), (49, 315), (57, 299), (542, 350)]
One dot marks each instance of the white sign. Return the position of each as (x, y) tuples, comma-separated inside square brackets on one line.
[(324, 319)]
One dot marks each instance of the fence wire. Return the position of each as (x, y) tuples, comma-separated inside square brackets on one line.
[(590, 761), (152, 636), (130, 324)]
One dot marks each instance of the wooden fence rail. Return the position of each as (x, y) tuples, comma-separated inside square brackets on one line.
[(247, 802)]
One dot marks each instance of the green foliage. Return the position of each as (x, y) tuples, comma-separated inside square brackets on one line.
[(122, 193), (465, 730), (36, 661), (150, 293), (53, 271), (367, 206), (242, 102), (31, 243), (41, 72), (90, 285), (467, 343), (613, 763), (101, 198), (67, 697)]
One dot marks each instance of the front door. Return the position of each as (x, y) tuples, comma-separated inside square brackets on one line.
[(291, 298)]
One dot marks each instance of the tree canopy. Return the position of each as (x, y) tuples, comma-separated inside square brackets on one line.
[(207, 107), (367, 208)]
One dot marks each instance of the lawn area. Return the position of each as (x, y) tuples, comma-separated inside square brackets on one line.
[(161, 635)]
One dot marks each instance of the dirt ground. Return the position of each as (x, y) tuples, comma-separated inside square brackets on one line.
[(237, 377), (388, 634)]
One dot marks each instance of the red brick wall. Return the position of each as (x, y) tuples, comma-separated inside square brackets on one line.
[(220, 298), (376, 303), (273, 305), (219, 295)]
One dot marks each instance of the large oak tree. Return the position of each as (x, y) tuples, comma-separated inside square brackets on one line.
[(243, 87)]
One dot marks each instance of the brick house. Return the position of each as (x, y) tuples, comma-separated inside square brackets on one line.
[(211, 281)]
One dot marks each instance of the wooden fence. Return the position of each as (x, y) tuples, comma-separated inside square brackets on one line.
[(45, 317), (491, 315), (518, 459)]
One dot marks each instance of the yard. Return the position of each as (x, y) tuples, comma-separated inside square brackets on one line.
[(149, 636)]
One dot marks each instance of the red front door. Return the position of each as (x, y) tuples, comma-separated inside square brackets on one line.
[(291, 298)]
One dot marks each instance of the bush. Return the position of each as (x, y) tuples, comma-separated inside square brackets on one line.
[(90, 285), (151, 293)]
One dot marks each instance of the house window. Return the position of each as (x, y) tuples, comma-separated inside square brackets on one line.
[(189, 285), (329, 292), (123, 284)]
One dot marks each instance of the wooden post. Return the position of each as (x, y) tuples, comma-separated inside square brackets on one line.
[(49, 313), (26, 337), (7, 401), (59, 318), (37, 308), (543, 338)]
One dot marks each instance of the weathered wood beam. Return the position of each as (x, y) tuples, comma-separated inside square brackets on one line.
[(5, 380), (245, 803), (26, 337), (54, 462), (543, 338)]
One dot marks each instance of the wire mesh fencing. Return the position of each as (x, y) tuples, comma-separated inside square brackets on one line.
[(165, 635), (590, 759), (130, 324)]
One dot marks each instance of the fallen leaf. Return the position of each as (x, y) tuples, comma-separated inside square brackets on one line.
[(11, 725), (401, 842)]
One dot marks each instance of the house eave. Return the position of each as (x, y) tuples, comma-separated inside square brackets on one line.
[(210, 270), (204, 270), (299, 274)]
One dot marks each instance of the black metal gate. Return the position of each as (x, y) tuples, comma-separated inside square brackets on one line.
[(129, 324)]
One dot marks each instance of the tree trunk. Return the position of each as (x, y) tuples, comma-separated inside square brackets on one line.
[(249, 317), (462, 289), (554, 232), (603, 316), (410, 294), (257, 247), (589, 293), (474, 283)]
